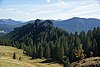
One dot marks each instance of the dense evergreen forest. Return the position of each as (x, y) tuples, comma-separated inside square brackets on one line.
[(42, 39)]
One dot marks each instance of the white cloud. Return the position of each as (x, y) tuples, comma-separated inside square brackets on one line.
[(62, 3), (48, 1), (58, 10), (81, 10)]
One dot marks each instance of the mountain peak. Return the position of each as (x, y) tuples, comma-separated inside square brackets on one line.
[(78, 18)]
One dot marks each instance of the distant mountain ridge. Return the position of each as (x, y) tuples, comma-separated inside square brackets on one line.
[(8, 25), (6, 28), (9, 22), (71, 25), (78, 24)]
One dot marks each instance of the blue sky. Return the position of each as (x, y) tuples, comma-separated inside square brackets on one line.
[(49, 9)]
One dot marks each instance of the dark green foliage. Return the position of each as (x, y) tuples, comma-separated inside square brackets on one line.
[(40, 51), (61, 53), (47, 52), (43, 40), (14, 55), (34, 52)]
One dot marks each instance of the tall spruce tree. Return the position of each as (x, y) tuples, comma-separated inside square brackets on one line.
[(47, 51), (80, 53), (14, 55), (34, 52), (61, 53), (40, 52)]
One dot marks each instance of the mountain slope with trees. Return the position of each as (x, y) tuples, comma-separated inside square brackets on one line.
[(44, 40), (6, 28)]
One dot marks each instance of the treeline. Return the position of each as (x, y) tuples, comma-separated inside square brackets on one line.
[(42, 39)]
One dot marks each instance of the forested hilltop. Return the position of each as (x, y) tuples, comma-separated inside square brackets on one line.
[(42, 39)]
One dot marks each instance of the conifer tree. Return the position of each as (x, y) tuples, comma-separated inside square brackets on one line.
[(61, 53), (47, 52), (14, 55), (88, 47), (94, 47), (40, 51), (34, 52), (80, 53), (66, 63)]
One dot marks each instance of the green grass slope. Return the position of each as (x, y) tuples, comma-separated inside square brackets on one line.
[(6, 62), (6, 53)]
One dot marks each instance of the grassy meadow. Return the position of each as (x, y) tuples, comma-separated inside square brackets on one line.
[(6, 60)]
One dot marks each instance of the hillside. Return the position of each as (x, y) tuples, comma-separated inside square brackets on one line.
[(43, 40), (89, 62), (37, 39), (6, 60), (6, 53)]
